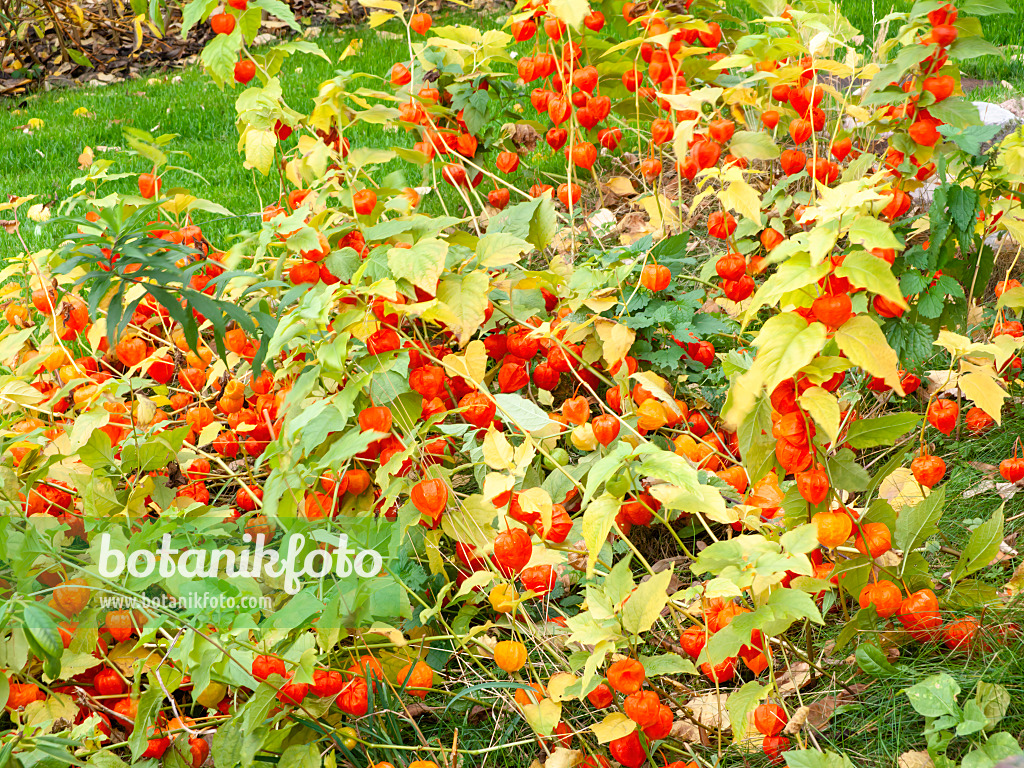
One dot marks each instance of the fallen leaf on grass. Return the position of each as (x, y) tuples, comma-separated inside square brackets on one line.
[(620, 185), (524, 137), (915, 760), (794, 678), (818, 714), (563, 758), (709, 710)]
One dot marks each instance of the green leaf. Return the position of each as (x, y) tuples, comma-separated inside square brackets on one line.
[(667, 664), (871, 659), (994, 700), (598, 519), (533, 221), (496, 249), (981, 547), (754, 145), (958, 112), (421, 265), (935, 696), (194, 12), (872, 233), (757, 446), (974, 719), (741, 704), (984, 7), (646, 603), (149, 704), (881, 430), (999, 746), (41, 628), (280, 10), (524, 413), (301, 756), (220, 56), (964, 48), (916, 524)]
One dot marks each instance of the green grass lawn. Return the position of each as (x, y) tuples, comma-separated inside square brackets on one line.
[(1006, 31), (185, 102)]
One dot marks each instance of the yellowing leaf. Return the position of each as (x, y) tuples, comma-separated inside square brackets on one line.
[(868, 271), (742, 198), (1013, 298), (259, 149), (616, 339), (658, 387), (462, 302), (543, 716), (614, 726), (643, 607), (861, 339), (824, 409), (786, 343)]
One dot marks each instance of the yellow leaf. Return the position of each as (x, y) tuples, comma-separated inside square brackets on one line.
[(620, 186), (901, 489), (824, 409), (861, 339), (498, 452), (471, 366), (85, 159), (377, 18), (659, 209), (742, 198), (979, 383), (614, 726), (616, 339), (537, 501), (352, 49), (496, 484), (557, 685)]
